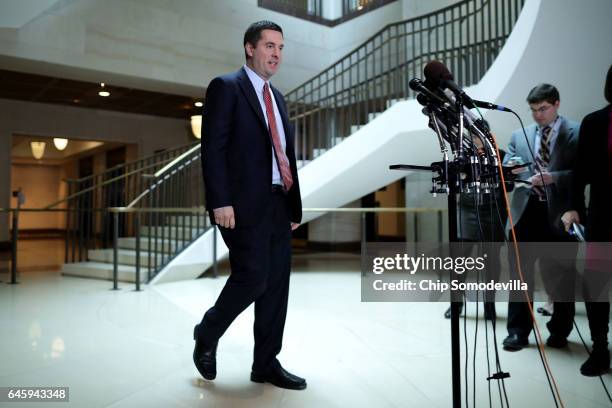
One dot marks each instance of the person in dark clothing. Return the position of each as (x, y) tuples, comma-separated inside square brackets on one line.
[(593, 166)]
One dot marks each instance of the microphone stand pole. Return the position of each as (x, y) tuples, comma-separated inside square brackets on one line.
[(448, 181)]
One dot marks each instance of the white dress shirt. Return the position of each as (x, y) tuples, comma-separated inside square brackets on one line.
[(258, 84)]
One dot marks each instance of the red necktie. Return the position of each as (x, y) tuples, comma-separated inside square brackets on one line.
[(281, 157)]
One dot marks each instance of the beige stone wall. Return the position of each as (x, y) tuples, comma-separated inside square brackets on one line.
[(41, 185), (172, 46)]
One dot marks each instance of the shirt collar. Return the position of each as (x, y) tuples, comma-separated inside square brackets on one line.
[(256, 80)]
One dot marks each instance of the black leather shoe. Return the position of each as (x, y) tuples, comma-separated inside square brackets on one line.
[(556, 341), (598, 363), (447, 314), (280, 377), (514, 342), (543, 311), (205, 358)]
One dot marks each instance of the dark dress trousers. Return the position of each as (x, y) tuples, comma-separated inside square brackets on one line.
[(237, 167), (592, 167)]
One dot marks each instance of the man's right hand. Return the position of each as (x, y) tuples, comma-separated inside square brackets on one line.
[(224, 217), (570, 217)]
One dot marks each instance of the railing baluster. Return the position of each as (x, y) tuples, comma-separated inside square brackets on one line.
[(115, 216), (137, 236)]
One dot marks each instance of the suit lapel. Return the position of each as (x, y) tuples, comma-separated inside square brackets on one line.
[(249, 92), (562, 138)]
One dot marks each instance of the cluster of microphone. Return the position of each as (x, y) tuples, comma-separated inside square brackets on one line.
[(474, 150)]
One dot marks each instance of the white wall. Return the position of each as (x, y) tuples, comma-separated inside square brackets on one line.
[(17, 13), (415, 8), (569, 48)]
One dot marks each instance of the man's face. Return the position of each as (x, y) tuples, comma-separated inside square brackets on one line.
[(544, 112), (266, 56)]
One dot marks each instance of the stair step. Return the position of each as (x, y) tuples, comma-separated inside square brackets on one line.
[(101, 270), (337, 140), (171, 232), (355, 128), (318, 152), (391, 102), (166, 245), (125, 256), (301, 163), (373, 115)]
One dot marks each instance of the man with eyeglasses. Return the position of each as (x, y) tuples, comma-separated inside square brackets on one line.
[(541, 196)]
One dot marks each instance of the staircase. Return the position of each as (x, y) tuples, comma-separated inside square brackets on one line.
[(165, 241), (348, 122), (355, 90), (159, 196)]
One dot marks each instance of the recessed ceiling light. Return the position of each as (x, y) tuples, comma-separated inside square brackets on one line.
[(102, 92), (198, 104)]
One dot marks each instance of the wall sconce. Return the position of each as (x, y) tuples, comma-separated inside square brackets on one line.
[(38, 149), (196, 126), (60, 143)]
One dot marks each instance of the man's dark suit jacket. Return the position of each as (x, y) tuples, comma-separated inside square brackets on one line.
[(592, 167), (237, 150)]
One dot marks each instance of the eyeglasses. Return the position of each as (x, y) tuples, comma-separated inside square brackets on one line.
[(542, 109)]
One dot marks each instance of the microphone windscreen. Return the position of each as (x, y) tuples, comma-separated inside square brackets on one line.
[(435, 71), (422, 99)]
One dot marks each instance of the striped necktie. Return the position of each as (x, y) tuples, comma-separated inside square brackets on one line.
[(543, 159), (544, 154)]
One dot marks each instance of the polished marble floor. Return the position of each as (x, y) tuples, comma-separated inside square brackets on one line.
[(133, 349)]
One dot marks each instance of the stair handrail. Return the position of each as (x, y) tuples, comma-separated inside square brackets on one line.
[(101, 184), (133, 162), (466, 35), (379, 34), (163, 171)]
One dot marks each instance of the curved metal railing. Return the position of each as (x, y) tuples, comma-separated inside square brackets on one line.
[(466, 36)]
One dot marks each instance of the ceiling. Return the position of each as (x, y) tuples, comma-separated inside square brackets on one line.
[(46, 89)]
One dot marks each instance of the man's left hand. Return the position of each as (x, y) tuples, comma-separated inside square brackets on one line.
[(536, 179), (294, 226)]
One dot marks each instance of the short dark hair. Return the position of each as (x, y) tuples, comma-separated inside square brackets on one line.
[(543, 93), (253, 33), (608, 87)]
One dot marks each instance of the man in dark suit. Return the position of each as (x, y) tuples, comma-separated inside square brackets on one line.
[(253, 195), (536, 210), (593, 167)]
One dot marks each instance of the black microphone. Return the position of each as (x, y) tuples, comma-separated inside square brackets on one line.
[(489, 105), (438, 75), (417, 85), (422, 99)]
